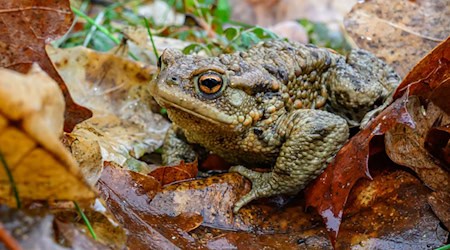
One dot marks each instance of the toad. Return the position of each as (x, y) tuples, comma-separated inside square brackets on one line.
[(280, 104)]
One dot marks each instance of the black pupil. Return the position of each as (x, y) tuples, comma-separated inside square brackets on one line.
[(210, 82)]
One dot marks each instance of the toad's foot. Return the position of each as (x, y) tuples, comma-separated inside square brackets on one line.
[(261, 186)]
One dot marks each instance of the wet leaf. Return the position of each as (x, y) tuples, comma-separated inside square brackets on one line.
[(437, 143), (390, 211), (31, 122), (123, 127), (405, 146), (128, 195), (169, 174), (25, 28), (72, 230), (440, 203), (329, 192), (401, 39), (73, 237)]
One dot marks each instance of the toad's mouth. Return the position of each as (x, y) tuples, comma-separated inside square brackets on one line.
[(209, 114)]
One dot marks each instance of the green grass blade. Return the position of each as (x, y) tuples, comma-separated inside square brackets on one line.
[(147, 25), (11, 180), (86, 221)]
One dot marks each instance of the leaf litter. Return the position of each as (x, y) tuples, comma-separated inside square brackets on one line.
[(389, 211)]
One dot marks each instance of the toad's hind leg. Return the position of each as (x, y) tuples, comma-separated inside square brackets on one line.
[(312, 138)]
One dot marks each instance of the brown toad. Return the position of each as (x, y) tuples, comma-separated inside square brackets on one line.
[(281, 104)]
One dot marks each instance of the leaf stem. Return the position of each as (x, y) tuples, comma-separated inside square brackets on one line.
[(86, 221), (11, 180)]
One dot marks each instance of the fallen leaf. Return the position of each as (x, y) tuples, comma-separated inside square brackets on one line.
[(139, 44), (437, 144), (389, 212), (440, 203), (405, 146), (25, 28), (73, 237), (169, 174), (390, 209), (399, 32), (31, 122), (128, 195), (71, 228), (32, 229), (115, 89), (329, 192)]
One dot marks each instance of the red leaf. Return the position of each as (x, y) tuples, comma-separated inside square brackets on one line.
[(26, 26), (169, 174), (329, 192)]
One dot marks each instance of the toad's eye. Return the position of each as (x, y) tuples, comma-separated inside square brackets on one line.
[(210, 84)]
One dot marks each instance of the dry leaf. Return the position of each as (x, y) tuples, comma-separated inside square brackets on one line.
[(399, 32), (31, 122), (25, 27), (115, 89)]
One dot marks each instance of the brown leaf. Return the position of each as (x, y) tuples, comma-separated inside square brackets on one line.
[(128, 195), (440, 203), (399, 32), (437, 143), (169, 174), (123, 127), (71, 228), (390, 211), (31, 122), (405, 146), (74, 237), (329, 192), (26, 26), (431, 72)]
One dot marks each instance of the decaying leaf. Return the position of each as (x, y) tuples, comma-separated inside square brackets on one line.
[(32, 229), (31, 122), (115, 89), (440, 203), (389, 212), (382, 212), (328, 194), (400, 32), (25, 27), (437, 143), (169, 174), (406, 146), (128, 195), (140, 45), (72, 230)]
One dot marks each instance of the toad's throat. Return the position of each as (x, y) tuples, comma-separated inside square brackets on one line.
[(205, 113)]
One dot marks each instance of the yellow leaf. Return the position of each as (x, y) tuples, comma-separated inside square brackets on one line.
[(31, 122)]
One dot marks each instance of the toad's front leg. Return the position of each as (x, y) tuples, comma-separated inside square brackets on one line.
[(312, 138)]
